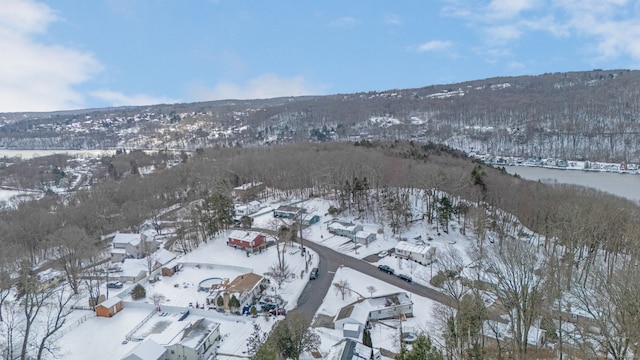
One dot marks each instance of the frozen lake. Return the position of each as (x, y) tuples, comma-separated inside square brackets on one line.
[(623, 185)]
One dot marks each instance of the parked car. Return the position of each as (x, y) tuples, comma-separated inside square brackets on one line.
[(268, 307), (382, 254), (115, 285), (313, 274), (386, 269), (279, 311), (406, 278)]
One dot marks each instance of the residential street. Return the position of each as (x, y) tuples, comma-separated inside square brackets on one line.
[(315, 290)]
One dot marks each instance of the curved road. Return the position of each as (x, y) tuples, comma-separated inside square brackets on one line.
[(329, 260)]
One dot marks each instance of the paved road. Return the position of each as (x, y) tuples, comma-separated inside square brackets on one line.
[(314, 292)]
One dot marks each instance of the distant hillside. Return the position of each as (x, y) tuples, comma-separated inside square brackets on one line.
[(577, 115)]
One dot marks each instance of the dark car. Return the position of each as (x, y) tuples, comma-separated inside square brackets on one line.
[(406, 278), (115, 285), (313, 274), (268, 307), (386, 269)]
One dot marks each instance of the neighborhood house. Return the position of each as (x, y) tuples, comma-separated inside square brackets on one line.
[(246, 209), (126, 246), (353, 318), (423, 254), (344, 229), (246, 288), (288, 212), (248, 190), (250, 241)]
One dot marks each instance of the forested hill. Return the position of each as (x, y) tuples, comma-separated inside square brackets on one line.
[(576, 115)]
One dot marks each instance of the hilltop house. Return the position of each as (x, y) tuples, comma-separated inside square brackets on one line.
[(250, 241), (135, 246), (353, 318), (344, 229)]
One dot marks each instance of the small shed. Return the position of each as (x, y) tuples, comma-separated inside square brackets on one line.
[(364, 237), (109, 307), (311, 220)]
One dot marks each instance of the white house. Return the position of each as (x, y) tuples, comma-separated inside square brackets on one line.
[(364, 237), (196, 342), (135, 246), (146, 350), (349, 349), (343, 228), (375, 308), (246, 209), (423, 254)]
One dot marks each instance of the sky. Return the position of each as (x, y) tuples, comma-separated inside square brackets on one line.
[(69, 54)]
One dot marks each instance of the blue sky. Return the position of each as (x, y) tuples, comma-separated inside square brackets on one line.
[(70, 54)]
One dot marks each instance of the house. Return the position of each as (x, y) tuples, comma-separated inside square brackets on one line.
[(197, 341), (246, 209), (288, 212), (349, 349), (248, 190), (109, 307), (162, 257), (146, 350), (133, 270), (423, 254), (383, 307), (366, 238), (344, 229), (135, 246), (310, 220), (502, 331), (250, 241), (246, 288)]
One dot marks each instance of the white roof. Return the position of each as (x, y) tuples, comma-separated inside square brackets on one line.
[(133, 267), (110, 302), (147, 350), (247, 186), (351, 327), (341, 225), (124, 238), (363, 234), (163, 256), (244, 235), (414, 248)]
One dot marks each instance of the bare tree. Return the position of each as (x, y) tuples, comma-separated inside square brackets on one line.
[(517, 277), (72, 247), (280, 272), (371, 290), (55, 315), (342, 287)]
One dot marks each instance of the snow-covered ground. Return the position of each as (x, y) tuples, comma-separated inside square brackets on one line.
[(218, 260)]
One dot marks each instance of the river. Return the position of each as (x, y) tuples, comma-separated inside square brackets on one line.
[(623, 185)]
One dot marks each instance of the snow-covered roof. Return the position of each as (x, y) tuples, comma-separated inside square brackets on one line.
[(125, 238), (348, 349), (340, 225), (146, 350), (133, 267), (163, 256), (413, 248), (247, 186), (364, 234), (244, 235), (110, 302)]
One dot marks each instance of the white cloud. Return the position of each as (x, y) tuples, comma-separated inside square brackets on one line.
[(392, 19), (35, 76), (434, 45), (262, 87), (115, 98), (608, 28), (344, 22)]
